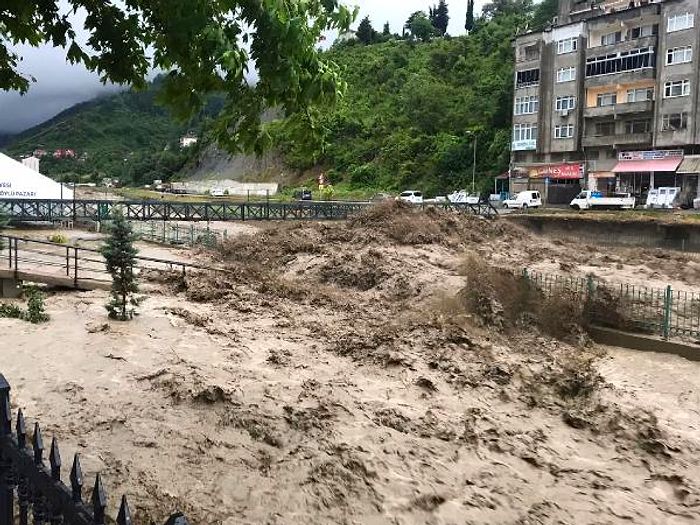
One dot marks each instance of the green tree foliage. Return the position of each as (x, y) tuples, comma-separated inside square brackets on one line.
[(469, 24), (205, 47), (420, 27), (544, 14), (387, 30), (365, 32), (120, 257), (404, 120), (440, 17)]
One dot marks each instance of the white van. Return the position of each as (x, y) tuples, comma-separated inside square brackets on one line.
[(663, 198), (524, 199), (414, 197)]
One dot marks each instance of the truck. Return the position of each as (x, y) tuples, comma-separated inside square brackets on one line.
[(667, 197), (596, 200)]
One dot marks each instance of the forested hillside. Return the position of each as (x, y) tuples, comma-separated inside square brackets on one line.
[(412, 109), (414, 105), (126, 136)]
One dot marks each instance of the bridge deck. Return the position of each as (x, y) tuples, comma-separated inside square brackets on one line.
[(61, 281)]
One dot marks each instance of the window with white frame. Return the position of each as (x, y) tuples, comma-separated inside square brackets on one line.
[(566, 103), (680, 22), (527, 105), (524, 132), (611, 38), (640, 94), (677, 88), (606, 99), (566, 74), (564, 131), (674, 122), (568, 45), (679, 55)]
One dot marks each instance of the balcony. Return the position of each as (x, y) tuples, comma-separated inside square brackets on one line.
[(632, 139), (621, 77), (616, 110), (623, 46)]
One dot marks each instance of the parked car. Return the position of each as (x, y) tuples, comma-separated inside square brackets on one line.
[(304, 194), (590, 200), (216, 192), (462, 197), (414, 197), (379, 197), (524, 199)]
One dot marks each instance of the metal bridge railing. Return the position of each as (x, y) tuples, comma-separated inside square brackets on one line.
[(163, 232), (100, 210), (29, 489), (663, 311)]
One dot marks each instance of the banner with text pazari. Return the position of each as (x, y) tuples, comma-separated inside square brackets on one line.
[(556, 171)]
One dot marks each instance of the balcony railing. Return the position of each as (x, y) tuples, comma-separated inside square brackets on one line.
[(616, 110), (589, 141)]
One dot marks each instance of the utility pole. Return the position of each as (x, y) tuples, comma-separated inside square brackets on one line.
[(474, 165)]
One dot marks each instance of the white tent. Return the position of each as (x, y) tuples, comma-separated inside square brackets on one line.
[(17, 181)]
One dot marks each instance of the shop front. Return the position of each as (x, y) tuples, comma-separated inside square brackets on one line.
[(689, 172), (639, 171), (557, 183)]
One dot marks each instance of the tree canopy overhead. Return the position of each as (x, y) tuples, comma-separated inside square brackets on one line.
[(203, 46)]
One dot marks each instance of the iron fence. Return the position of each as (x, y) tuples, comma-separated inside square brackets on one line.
[(163, 232), (29, 489), (33, 210), (663, 311)]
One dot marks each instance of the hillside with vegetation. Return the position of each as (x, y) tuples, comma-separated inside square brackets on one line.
[(128, 136), (416, 104)]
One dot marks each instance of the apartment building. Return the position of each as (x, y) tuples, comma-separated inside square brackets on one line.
[(607, 98)]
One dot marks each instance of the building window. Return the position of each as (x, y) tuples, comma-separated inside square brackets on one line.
[(566, 103), (565, 131), (606, 99), (567, 45), (527, 78), (640, 58), (643, 31), (637, 126), (674, 122), (680, 22), (679, 55), (527, 105), (678, 88), (604, 129), (640, 94), (524, 132), (566, 74), (611, 38), (531, 52)]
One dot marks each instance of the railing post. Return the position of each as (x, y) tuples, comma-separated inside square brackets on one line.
[(6, 482), (668, 303), (75, 267)]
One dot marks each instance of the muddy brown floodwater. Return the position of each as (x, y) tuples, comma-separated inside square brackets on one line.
[(338, 374)]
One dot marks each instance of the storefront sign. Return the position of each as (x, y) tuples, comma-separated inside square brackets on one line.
[(556, 171), (649, 155), (525, 145)]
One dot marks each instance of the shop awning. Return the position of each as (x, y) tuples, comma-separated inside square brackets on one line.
[(690, 164), (637, 166)]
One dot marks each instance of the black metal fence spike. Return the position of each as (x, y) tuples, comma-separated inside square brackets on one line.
[(76, 479), (177, 519), (5, 411), (21, 430), (55, 460), (124, 516), (38, 444), (99, 501)]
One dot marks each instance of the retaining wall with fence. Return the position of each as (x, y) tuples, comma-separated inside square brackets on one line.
[(661, 311)]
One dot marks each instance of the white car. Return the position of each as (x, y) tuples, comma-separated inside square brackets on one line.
[(414, 197), (217, 192), (524, 199), (462, 197)]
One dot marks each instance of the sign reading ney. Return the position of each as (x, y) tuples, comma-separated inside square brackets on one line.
[(556, 171)]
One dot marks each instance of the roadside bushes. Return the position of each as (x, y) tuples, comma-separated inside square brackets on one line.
[(35, 312)]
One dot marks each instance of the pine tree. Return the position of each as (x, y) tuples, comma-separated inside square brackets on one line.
[(120, 255), (365, 31), (440, 17), (469, 25), (387, 30)]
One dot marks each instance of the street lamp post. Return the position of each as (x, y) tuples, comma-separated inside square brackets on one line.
[(473, 133)]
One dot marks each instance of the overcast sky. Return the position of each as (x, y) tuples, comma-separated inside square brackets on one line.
[(60, 85)]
